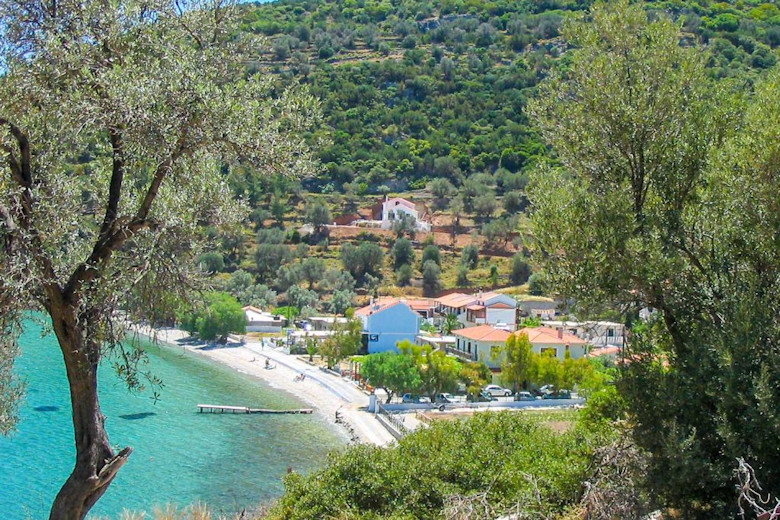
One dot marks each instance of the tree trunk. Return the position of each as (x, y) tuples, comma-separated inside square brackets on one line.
[(96, 463)]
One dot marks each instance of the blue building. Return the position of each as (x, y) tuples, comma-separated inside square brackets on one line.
[(386, 322)]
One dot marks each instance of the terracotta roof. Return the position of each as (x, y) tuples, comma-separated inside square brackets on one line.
[(547, 335), (489, 294), (456, 300), (483, 333), (400, 202), (379, 305), (500, 305), (604, 351), (386, 302), (419, 305), (476, 307)]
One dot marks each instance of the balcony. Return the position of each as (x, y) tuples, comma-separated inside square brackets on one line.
[(461, 354)]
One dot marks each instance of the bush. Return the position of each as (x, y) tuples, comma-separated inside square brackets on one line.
[(431, 253), (512, 458), (463, 276), (212, 262), (403, 252), (536, 285), (221, 316), (431, 274), (403, 276), (470, 256), (521, 271)]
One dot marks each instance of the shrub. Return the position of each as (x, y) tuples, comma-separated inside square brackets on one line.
[(511, 457)]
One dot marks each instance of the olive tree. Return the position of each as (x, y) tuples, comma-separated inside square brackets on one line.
[(667, 198), (116, 123)]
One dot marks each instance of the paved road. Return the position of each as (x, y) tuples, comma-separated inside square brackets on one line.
[(352, 402)]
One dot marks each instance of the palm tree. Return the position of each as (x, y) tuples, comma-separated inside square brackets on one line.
[(450, 323)]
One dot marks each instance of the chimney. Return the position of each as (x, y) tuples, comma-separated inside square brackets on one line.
[(560, 332)]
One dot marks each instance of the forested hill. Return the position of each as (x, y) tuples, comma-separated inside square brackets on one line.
[(414, 89)]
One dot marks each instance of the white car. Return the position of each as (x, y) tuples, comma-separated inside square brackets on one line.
[(496, 390)]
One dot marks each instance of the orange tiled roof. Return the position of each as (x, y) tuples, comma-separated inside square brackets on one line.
[(483, 333), (420, 304), (476, 307), (456, 300), (400, 202), (548, 335), (604, 351), (500, 305), (385, 302), (379, 304)]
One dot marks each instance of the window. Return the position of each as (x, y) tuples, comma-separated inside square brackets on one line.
[(610, 333)]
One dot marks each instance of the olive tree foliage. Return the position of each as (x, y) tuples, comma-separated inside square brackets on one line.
[(11, 389), (667, 197), (154, 93)]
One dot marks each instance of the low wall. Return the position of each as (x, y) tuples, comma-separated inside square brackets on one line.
[(539, 403)]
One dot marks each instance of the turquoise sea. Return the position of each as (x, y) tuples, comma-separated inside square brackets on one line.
[(228, 461)]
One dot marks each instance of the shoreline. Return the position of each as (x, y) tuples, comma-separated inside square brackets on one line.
[(339, 402)]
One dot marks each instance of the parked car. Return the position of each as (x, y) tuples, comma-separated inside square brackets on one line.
[(445, 398), (495, 390), (525, 396), (414, 398), (482, 397), (485, 397), (560, 394)]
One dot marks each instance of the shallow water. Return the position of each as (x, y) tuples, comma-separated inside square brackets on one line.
[(228, 461)]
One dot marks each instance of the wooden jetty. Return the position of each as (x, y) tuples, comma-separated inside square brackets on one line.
[(218, 408)]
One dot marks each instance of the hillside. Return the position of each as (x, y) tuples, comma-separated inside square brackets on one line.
[(413, 90), (426, 101)]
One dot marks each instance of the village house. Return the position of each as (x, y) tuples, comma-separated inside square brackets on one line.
[(480, 343), (538, 307), (257, 320), (386, 212), (487, 308), (386, 322), (485, 343), (557, 340), (596, 333), (320, 323)]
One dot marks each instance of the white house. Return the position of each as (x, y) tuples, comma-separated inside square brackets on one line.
[(538, 307), (258, 320), (480, 343), (596, 333), (557, 340), (396, 208), (325, 322), (485, 343), (480, 309)]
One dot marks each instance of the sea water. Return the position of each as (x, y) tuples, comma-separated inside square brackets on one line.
[(180, 456)]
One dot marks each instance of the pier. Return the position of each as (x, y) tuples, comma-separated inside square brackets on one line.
[(218, 408)]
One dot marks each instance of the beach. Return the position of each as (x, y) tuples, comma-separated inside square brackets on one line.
[(338, 400)]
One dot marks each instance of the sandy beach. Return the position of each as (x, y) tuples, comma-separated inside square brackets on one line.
[(326, 393)]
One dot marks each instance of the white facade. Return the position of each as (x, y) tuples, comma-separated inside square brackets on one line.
[(258, 320), (396, 208), (480, 309), (596, 333)]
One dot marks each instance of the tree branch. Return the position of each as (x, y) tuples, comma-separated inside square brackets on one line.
[(122, 229), (24, 171), (117, 175)]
